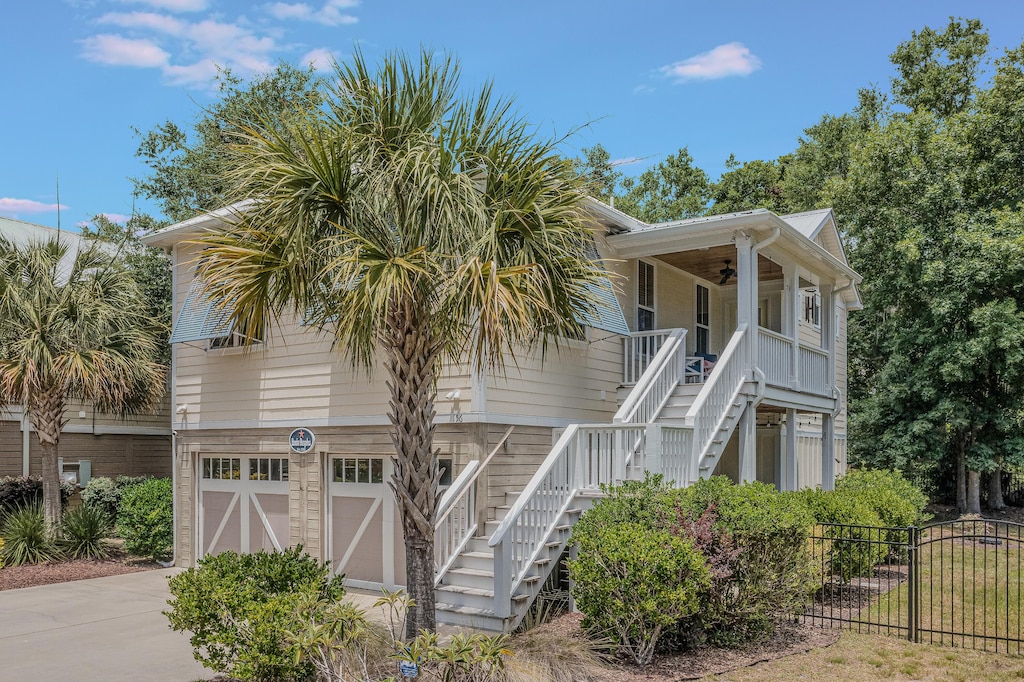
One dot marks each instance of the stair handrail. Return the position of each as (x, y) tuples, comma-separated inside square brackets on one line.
[(664, 373), (461, 495), (717, 394)]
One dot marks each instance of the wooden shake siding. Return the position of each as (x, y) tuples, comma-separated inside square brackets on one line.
[(565, 385), (305, 503)]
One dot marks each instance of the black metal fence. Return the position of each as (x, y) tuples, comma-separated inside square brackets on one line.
[(956, 583)]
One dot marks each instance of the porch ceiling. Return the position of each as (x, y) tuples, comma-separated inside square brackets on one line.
[(706, 263)]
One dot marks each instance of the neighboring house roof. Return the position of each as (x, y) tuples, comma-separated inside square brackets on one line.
[(22, 233)]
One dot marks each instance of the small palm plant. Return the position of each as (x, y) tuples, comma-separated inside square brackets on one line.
[(26, 539), (84, 532)]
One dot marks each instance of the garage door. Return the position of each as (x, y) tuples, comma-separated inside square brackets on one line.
[(243, 504)]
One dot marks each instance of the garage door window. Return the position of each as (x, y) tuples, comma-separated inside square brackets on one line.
[(268, 469), (358, 470), (222, 468)]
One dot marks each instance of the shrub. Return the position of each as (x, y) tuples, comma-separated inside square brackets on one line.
[(633, 582), (18, 492), (83, 533), (855, 546), (145, 518), (26, 537), (756, 545), (103, 494), (238, 607), (895, 500)]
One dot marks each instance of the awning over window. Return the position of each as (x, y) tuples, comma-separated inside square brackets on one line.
[(607, 314), (200, 319)]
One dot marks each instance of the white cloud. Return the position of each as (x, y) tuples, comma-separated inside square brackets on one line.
[(731, 59), (321, 58), (160, 23), (642, 88), (119, 218), (120, 51), (10, 206), (331, 14), (200, 73), (174, 5)]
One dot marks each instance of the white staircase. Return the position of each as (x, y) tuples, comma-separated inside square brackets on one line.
[(488, 576)]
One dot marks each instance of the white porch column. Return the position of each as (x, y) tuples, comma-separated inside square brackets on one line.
[(747, 428), (828, 452), (789, 473), (746, 291), (791, 311), (828, 329)]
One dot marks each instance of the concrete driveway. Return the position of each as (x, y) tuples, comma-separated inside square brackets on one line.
[(101, 629)]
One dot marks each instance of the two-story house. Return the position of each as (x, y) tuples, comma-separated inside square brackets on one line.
[(723, 352)]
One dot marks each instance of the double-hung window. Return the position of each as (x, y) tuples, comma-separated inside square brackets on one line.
[(644, 296), (812, 308), (703, 327)]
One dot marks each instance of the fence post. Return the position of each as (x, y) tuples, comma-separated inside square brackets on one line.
[(912, 584)]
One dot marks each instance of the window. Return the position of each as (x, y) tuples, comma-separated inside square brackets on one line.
[(222, 468), (644, 296), (358, 470), (268, 469), (445, 464), (812, 308), (703, 343), (233, 340)]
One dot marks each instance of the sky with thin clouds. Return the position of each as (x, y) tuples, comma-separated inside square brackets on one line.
[(644, 79)]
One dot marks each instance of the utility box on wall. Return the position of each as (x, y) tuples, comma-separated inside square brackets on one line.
[(79, 473)]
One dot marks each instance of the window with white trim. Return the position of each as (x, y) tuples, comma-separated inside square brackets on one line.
[(268, 468), (644, 296), (222, 468), (812, 308), (358, 470), (703, 326)]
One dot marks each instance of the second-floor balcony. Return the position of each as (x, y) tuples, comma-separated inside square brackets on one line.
[(785, 362)]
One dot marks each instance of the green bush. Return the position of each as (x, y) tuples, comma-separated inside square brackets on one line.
[(238, 608), (756, 543), (83, 533), (145, 518), (26, 538), (18, 492), (633, 582), (855, 546), (895, 500), (103, 494)]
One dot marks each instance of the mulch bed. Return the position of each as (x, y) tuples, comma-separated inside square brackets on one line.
[(119, 563), (789, 639)]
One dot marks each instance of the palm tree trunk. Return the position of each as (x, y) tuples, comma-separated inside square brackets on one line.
[(411, 363), (47, 416)]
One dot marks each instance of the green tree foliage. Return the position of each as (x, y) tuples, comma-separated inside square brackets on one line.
[(749, 185), (672, 190), (188, 163), (600, 179), (149, 267)]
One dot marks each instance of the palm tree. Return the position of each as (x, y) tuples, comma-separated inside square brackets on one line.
[(69, 329), (414, 227)]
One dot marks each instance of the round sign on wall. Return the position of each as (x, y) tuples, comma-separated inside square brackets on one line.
[(301, 440)]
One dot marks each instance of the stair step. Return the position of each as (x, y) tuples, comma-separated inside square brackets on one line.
[(716, 442), (530, 579), (471, 617), (541, 561), (553, 544), (462, 589), (479, 561), (563, 527), (470, 577)]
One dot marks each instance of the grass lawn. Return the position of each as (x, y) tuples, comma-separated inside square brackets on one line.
[(966, 587), (878, 657)]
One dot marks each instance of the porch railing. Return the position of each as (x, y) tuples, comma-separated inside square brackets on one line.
[(656, 384), (583, 459), (814, 370), (774, 355), (717, 395), (639, 349)]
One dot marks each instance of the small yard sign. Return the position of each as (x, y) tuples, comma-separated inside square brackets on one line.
[(301, 440)]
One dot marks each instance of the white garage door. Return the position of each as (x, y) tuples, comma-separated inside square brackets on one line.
[(243, 504)]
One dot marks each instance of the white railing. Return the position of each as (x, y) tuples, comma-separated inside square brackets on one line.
[(457, 513), (774, 353), (676, 453), (638, 350), (713, 401), (655, 385), (583, 459), (814, 370)]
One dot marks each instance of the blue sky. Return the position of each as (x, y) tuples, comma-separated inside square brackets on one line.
[(649, 77)]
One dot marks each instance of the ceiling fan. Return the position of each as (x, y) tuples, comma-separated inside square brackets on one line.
[(726, 273)]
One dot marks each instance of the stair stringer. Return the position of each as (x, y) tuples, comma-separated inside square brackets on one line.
[(746, 397)]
